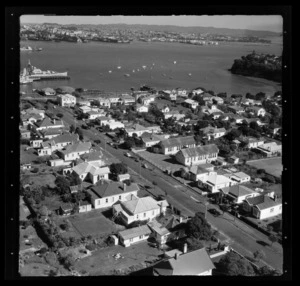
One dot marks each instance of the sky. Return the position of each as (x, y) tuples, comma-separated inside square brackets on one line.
[(263, 22)]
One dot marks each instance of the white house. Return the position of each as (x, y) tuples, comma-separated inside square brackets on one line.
[(175, 114), (137, 129), (107, 194), (257, 111), (84, 207), (240, 177), (198, 172), (263, 206), (270, 149), (136, 208), (212, 132), (93, 114), (239, 193), (197, 91), (85, 108), (112, 124), (104, 102), (197, 155), (214, 182), (134, 235), (72, 152), (66, 99), (191, 103), (48, 123), (146, 100), (194, 263), (142, 108)]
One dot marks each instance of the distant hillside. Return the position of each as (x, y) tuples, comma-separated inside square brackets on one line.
[(179, 29)]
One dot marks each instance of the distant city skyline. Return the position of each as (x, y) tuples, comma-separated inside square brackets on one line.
[(271, 23)]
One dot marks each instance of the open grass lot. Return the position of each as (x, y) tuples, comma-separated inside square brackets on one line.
[(31, 235), (39, 179), (273, 166), (27, 156), (92, 223), (162, 161), (103, 263), (35, 269)]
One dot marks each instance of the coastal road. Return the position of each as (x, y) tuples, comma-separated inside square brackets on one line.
[(243, 238)]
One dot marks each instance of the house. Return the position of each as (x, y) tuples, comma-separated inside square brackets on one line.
[(173, 145), (48, 91), (142, 108), (134, 235), (57, 143), (25, 134), (93, 157), (198, 172), (238, 193), (51, 132), (65, 209), (72, 152), (146, 100), (214, 182), (160, 233), (93, 114), (181, 92), (191, 103), (48, 123), (233, 160), (257, 111), (123, 177), (150, 139), (269, 149), (197, 155), (212, 132), (84, 109), (107, 194), (137, 129), (36, 143), (113, 98), (127, 99), (104, 102), (91, 171), (84, 206), (196, 262), (218, 99), (112, 124), (84, 103), (66, 99), (30, 119), (251, 142), (34, 111), (240, 177), (236, 118), (175, 114), (136, 208), (197, 91), (236, 109), (26, 166), (103, 120), (263, 206)]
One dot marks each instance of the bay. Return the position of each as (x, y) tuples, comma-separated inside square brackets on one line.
[(88, 65)]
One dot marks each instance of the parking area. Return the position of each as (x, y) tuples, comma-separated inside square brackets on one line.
[(161, 161)]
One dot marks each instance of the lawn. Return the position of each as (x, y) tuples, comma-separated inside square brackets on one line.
[(273, 166), (27, 156), (92, 223), (39, 179), (103, 263), (31, 235)]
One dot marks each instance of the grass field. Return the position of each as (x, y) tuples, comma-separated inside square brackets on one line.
[(273, 166), (39, 179), (27, 156), (92, 223)]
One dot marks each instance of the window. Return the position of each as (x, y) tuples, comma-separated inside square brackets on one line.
[(113, 198), (141, 236), (152, 212), (98, 202), (271, 210), (130, 239), (106, 200), (120, 197), (144, 214), (137, 216), (280, 207)]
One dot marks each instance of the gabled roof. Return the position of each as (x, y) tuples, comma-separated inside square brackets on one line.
[(237, 191), (48, 122), (263, 202), (241, 175), (140, 205), (77, 147), (67, 137), (191, 263), (199, 151), (112, 189), (157, 227), (215, 179), (135, 232), (93, 156), (200, 169), (179, 141), (136, 127)]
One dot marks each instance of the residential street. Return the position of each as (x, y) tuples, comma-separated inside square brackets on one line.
[(242, 238)]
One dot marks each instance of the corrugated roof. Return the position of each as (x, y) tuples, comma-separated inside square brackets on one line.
[(157, 227), (237, 191), (135, 232), (199, 151), (191, 263), (263, 202), (77, 147), (179, 141), (241, 175), (64, 138)]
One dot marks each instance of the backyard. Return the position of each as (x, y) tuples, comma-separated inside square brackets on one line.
[(273, 166)]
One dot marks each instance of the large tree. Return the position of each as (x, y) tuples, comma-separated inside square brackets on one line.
[(234, 265), (198, 227), (118, 168)]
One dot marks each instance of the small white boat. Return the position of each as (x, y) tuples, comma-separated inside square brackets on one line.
[(119, 67), (175, 62), (190, 74), (144, 67), (127, 74), (110, 71), (138, 70), (133, 70)]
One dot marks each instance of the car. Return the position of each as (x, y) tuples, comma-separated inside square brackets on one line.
[(214, 212), (97, 141), (127, 154), (136, 159), (145, 166)]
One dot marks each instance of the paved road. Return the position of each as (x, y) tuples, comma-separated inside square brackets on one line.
[(243, 238)]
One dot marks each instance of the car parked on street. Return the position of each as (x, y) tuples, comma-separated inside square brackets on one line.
[(215, 212), (127, 154)]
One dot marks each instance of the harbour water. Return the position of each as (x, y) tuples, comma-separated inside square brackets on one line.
[(168, 65)]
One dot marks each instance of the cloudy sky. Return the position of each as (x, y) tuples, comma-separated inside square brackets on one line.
[(267, 23)]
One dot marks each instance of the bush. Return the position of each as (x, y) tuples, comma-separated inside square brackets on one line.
[(269, 179), (35, 170), (91, 247)]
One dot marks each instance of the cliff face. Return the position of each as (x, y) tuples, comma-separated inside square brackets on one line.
[(258, 66)]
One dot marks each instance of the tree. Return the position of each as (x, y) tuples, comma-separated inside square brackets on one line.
[(222, 94), (194, 244), (198, 227), (267, 271), (63, 184), (233, 134), (199, 99), (60, 115), (72, 129), (273, 238), (234, 265), (129, 143), (261, 171), (260, 96), (43, 211), (253, 125), (259, 255), (118, 168), (52, 273), (79, 132)]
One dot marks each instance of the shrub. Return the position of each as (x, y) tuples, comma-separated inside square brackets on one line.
[(154, 183), (91, 247), (35, 170)]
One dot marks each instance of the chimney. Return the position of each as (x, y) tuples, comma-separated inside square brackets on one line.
[(185, 248), (176, 255)]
